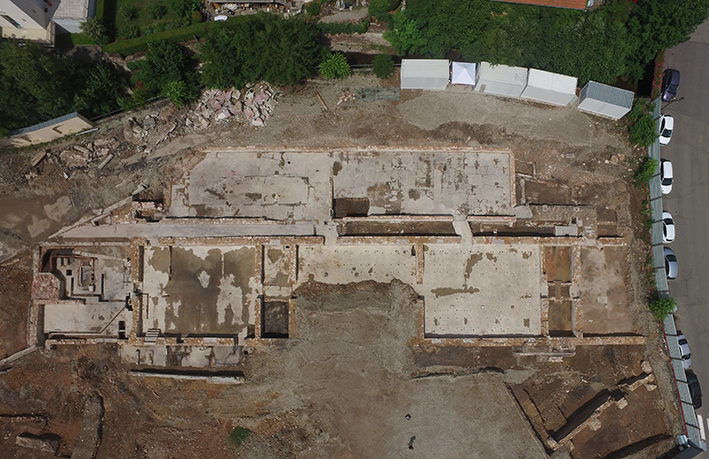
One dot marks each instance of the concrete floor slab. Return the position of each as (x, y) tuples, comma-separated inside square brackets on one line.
[(200, 290), (301, 186), (482, 290), (603, 291), (461, 285)]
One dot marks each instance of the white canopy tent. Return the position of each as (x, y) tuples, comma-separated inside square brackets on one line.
[(463, 73)]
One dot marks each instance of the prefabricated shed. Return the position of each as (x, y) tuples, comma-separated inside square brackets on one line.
[(550, 88), (500, 80), (604, 100), (432, 74)]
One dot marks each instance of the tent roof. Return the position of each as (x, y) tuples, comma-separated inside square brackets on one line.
[(424, 68), (503, 73), (463, 73), (552, 81)]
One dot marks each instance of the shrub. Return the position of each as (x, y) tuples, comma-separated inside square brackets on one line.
[(643, 132), (178, 93), (136, 45), (129, 12), (132, 31), (335, 66), (184, 8), (313, 8), (333, 28), (95, 30), (238, 435), (662, 307), (380, 8), (196, 17), (157, 10), (646, 170), (383, 66)]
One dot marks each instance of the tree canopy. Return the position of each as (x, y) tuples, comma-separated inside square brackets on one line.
[(259, 47), (37, 85), (617, 39)]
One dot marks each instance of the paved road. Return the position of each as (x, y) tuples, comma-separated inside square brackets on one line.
[(689, 200)]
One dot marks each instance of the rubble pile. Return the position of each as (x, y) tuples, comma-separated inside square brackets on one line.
[(254, 105), (348, 96), (100, 150)]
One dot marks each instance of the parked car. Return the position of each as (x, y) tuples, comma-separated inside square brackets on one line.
[(684, 350), (670, 84), (220, 17), (666, 176), (694, 389), (667, 124), (668, 228), (670, 264)]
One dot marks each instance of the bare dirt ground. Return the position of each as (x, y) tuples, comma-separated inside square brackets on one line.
[(343, 387)]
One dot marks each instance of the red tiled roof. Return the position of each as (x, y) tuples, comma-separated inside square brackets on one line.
[(573, 4)]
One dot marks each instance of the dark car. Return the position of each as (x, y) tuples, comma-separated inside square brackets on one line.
[(694, 390), (670, 84)]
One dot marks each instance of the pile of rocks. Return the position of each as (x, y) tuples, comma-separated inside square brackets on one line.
[(254, 106), (100, 150)]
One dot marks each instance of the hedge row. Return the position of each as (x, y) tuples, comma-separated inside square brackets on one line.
[(136, 45), (332, 28)]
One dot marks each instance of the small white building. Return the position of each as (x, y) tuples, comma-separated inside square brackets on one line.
[(550, 88), (500, 80), (26, 19), (431, 74), (609, 101)]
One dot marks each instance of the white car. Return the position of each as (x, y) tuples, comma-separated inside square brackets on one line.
[(684, 350), (667, 123), (668, 228), (221, 17), (666, 176)]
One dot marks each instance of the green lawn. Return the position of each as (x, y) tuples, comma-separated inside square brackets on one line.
[(132, 18), (74, 39)]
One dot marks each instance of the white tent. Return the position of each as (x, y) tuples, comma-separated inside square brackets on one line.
[(551, 88), (433, 74), (500, 80), (463, 73)]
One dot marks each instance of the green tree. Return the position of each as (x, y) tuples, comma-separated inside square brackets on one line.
[(335, 66), (313, 8), (406, 37), (383, 66), (165, 61), (645, 171), (643, 132), (259, 47), (102, 87), (37, 85), (184, 8), (380, 8), (662, 307), (659, 24), (95, 30)]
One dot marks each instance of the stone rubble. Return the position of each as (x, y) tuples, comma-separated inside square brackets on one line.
[(253, 106)]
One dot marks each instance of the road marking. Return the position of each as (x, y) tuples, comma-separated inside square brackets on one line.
[(700, 421)]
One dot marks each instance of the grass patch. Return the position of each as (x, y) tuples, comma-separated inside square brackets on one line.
[(143, 19), (136, 45), (238, 435), (71, 39)]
